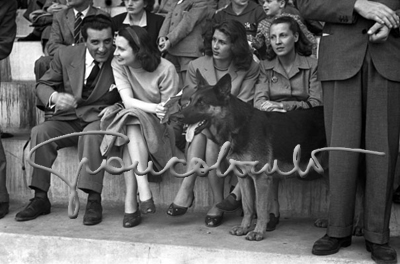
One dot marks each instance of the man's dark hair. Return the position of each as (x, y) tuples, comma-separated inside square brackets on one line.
[(96, 22)]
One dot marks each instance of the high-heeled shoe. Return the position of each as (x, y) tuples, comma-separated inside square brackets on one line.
[(176, 210), (214, 220), (148, 206), (131, 220)]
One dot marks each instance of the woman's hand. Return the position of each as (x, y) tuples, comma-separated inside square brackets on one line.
[(271, 106), (164, 44), (160, 111)]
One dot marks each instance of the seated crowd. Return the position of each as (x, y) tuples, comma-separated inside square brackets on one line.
[(116, 74)]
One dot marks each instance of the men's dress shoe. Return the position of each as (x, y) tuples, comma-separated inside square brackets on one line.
[(93, 213), (273, 222), (330, 245), (37, 206), (381, 253), (3, 209), (396, 196), (229, 204)]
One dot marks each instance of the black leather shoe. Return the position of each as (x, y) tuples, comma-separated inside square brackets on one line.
[(30, 37), (131, 220), (93, 213), (381, 253), (37, 206), (396, 196), (4, 209), (229, 204), (273, 222), (330, 245), (176, 210)]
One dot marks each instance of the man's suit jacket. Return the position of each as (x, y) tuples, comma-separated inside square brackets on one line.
[(62, 29), (345, 40), (243, 82), (154, 23), (68, 68)]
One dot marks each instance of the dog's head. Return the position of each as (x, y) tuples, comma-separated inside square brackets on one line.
[(206, 101)]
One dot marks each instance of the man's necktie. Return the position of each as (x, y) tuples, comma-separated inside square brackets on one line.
[(91, 80), (77, 28)]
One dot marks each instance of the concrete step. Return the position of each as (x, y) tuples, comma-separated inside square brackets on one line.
[(18, 112), (22, 60), (161, 239)]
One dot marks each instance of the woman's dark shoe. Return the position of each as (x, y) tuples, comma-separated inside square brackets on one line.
[(214, 220), (396, 196), (131, 220), (229, 204), (4, 209), (330, 245), (381, 253), (147, 206), (176, 210), (273, 222)]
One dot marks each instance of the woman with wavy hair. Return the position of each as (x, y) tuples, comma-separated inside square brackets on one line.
[(226, 52), (145, 81), (288, 81)]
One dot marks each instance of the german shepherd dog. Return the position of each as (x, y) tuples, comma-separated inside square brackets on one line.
[(254, 135)]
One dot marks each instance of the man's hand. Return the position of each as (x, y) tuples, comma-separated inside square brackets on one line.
[(109, 110), (378, 12), (378, 33), (64, 101), (55, 7)]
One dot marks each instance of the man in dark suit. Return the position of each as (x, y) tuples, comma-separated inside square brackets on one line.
[(359, 64), (84, 70), (8, 30), (63, 31)]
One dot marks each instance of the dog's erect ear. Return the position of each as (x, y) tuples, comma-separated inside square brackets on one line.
[(201, 82), (223, 86)]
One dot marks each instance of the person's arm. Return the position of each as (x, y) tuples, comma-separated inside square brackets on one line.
[(190, 84), (261, 93), (196, 12), (246, 92), (126, 93), (8, 27), (56, 38), (343, 11), (169, 83)]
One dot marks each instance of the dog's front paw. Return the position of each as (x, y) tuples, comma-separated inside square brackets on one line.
[(321, 223), (255, 236), (238, 231)]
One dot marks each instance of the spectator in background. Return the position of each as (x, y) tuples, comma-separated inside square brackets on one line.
[(359, 62), (180, 36), (8, 30), (246, 12), (42, 19), (139, 14)]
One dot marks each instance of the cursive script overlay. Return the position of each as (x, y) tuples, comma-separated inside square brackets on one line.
[(200, 167)]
